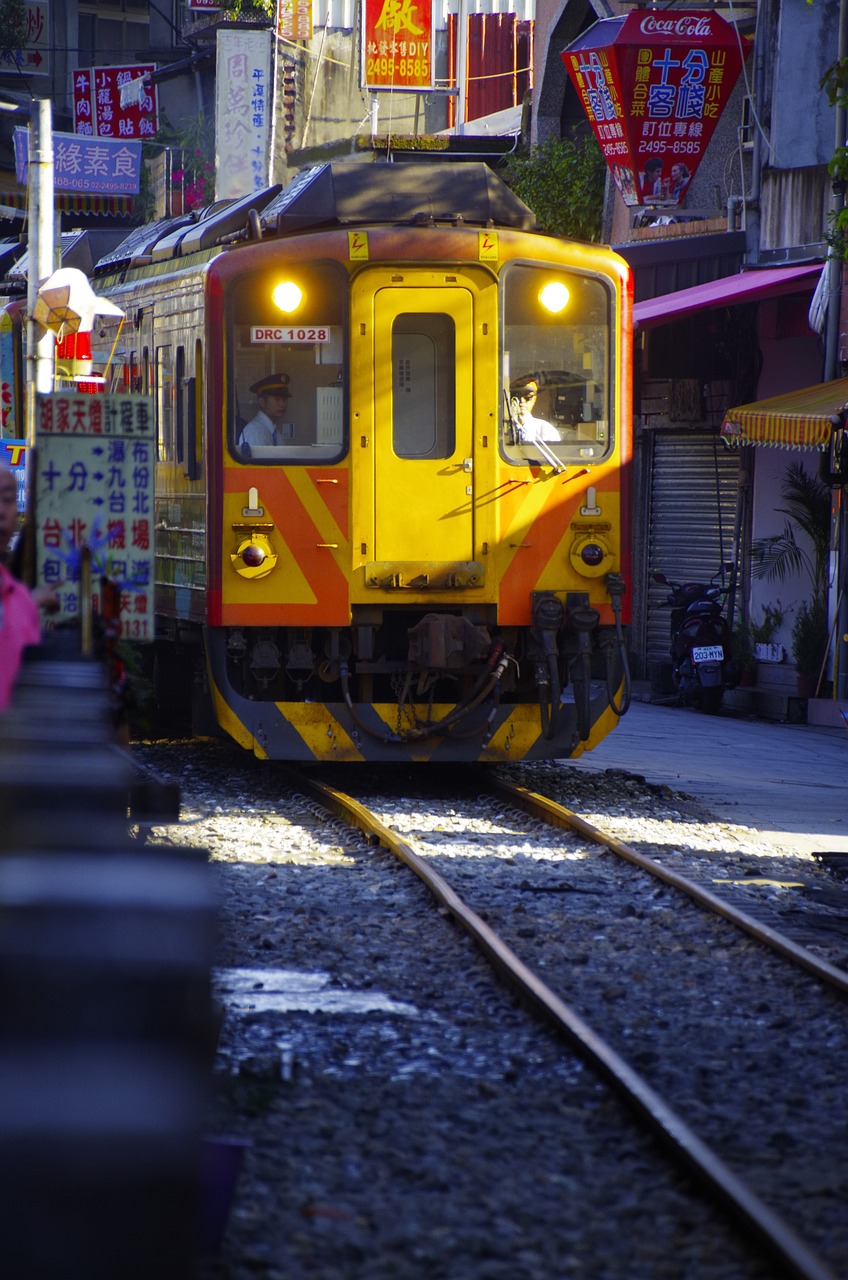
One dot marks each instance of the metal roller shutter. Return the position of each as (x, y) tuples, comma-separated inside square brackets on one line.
[(694, 482)]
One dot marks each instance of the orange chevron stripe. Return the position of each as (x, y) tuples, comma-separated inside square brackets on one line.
[(540, 524), (308, 532), (332, 486)]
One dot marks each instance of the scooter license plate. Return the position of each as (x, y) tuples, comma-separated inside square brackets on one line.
[(708, 653)]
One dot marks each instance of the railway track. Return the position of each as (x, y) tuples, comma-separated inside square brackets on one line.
[(732, 1186), (729, 1048)]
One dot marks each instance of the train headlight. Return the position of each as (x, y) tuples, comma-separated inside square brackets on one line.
[(591, 555), (554, 297), (255, 557), (288, 296)]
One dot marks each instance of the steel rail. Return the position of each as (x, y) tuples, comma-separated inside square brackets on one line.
[(555, 814), (796, 1259)]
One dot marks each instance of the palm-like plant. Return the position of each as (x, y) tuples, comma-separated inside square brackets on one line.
[(807, 508)]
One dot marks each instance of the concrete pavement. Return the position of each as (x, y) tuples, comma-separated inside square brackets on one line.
[(787, 781)]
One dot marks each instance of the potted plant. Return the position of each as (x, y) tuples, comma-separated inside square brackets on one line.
[(743, 652), (809, 645), (763, 633)]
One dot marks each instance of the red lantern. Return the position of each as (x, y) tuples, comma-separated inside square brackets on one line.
[(73, 354), (654, 85), (74, 361)]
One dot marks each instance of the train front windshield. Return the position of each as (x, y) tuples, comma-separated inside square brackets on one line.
[(287, 376), (557, 384), (285, 373)]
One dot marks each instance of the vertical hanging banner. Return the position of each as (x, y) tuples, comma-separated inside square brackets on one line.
[(11, 375), (294, 19), (397, 44), (654, 85), (94, 498), (97, 103), (243, 110)]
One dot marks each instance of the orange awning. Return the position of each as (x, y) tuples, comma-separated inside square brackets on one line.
[(801, 419)]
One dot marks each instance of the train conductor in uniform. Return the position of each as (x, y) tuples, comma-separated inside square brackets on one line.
[(266, 426), (522, 398)]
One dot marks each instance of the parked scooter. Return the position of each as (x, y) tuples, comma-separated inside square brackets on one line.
[(700, 642)]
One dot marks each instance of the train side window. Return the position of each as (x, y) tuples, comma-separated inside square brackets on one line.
[(423, 385), (179, 403), (164, 405), (557, 383), (194, 415)]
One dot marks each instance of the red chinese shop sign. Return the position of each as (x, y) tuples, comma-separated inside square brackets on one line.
[(397, 44), (98, 111), (654, 86)]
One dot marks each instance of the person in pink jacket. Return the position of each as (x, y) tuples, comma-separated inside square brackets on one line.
[(19, 619)]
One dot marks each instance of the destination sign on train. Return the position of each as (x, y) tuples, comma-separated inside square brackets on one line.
[(281, 333)]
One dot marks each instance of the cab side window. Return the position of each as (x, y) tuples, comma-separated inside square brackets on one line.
[(556, 366), (291, 331)]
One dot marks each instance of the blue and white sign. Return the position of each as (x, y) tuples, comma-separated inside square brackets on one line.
[(13, 453), (94, 496), (94, 166)]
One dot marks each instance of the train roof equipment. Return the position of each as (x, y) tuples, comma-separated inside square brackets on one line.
[(348, 193), (335, 193)]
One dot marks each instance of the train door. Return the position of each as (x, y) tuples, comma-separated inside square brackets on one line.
[(414, 385)]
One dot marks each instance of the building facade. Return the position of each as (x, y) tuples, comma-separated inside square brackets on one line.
[(724, 286)]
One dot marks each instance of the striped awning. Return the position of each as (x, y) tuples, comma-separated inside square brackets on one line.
[(14, 196), (796, 420)]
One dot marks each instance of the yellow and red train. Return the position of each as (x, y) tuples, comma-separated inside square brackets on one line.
[(406, 569)]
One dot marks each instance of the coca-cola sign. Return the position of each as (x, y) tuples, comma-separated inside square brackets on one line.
[(654, 86), (692, 26)]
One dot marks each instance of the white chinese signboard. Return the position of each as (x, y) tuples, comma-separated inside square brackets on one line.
[(94, 495), (244, 105)]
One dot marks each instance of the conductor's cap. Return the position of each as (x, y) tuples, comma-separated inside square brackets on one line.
[(278, 382), (528, 383)]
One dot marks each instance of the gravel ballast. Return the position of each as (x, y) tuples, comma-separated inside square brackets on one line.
[(404, 1116)]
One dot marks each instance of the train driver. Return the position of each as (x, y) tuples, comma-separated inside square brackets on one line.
[(523, 393), (268, 425)]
